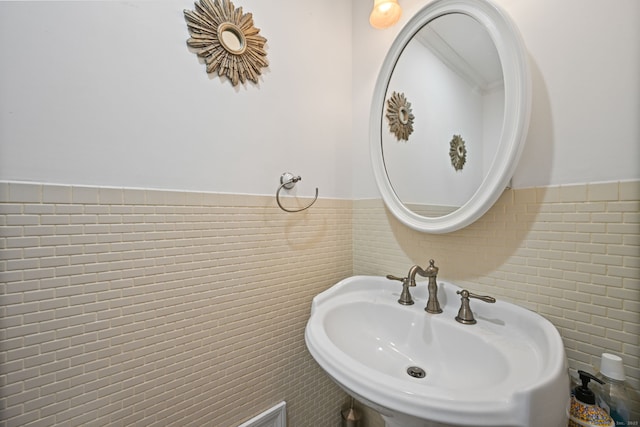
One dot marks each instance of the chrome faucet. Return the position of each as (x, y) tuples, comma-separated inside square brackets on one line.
[(433, 306)]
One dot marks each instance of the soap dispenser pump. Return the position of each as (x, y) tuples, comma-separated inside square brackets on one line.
[(584, 412)]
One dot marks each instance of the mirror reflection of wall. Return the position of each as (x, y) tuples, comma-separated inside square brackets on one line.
[(451, 72)]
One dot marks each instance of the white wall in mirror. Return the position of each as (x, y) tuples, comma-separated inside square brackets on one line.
[(444, 103), (419, 169)]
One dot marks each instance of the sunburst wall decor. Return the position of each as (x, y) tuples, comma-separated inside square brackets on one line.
[(457, 152), (227, 40), (400, 116)]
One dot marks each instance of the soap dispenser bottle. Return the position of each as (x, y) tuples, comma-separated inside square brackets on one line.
[(612, 396), (584, 412)]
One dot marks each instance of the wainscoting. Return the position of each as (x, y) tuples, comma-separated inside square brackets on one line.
[(158, 308), (126, 307)]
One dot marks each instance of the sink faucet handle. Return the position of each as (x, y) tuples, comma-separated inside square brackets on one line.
[(405, 296), (485, 298), (465, 315), (399, 279)]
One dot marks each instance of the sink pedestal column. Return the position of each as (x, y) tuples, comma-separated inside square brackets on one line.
[(409, 422)]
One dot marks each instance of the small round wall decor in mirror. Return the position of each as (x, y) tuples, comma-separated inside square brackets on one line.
[(457, 152), (465, 66), (400, 116)]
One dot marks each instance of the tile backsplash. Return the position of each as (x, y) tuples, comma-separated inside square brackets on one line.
[(127, 307), (147, 307)]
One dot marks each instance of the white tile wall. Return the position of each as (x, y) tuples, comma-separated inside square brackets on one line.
[(144, 307), (127, 307)]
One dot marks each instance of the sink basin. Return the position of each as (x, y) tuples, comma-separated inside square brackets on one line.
[(424, 370)]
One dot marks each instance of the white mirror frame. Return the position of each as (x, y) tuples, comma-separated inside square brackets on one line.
[(517, 111)]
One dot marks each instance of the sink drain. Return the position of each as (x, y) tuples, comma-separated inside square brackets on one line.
[(416, 372)]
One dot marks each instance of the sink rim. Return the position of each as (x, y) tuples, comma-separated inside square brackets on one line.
[(412, 396), (385, 350)]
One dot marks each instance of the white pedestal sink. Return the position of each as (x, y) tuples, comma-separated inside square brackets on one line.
[(508, 370)]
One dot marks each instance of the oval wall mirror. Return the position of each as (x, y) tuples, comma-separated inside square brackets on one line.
[(464, 66)]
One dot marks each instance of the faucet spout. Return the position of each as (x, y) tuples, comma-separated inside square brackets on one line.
[(433, 306), (410, 280), (416, 269)]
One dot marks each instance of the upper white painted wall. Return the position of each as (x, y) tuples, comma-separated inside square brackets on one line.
[(585, 63), (108, 93)]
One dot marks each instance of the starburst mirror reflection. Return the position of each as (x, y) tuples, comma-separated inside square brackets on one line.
[(457, 152), (227, 40), (399, 116)]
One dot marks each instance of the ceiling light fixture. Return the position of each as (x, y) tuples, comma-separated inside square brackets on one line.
[(385, 13)]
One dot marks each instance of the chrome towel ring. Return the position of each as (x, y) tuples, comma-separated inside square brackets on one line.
[(288, 181)]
